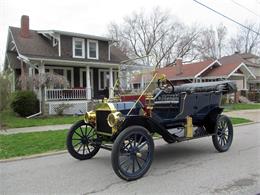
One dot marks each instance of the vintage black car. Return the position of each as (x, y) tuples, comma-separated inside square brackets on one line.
[(127, 124)]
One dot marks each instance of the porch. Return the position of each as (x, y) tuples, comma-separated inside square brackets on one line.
[(85, 83)]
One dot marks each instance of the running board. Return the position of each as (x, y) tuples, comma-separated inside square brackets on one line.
[(181, 139), (106, 147)]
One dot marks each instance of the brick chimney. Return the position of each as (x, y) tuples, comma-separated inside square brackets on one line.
[(179, 65), (25, 30)]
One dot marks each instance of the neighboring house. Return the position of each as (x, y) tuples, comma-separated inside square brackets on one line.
[(253, 63), (227, 68), (90, 63)]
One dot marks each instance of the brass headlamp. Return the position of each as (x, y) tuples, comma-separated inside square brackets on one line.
[(114, 118), (90, 117)]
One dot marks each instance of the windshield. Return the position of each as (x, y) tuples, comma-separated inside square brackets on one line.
[(134, 78)]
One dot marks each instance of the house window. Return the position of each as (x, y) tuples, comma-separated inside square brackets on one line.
[(92, 49), (78, 48)]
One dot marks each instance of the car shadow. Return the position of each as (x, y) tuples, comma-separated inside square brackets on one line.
[(182, 151)]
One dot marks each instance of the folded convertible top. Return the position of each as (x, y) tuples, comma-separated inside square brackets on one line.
[(222, 86)]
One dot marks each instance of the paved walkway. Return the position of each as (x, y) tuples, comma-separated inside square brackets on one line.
[(253, 115), (35, 129)]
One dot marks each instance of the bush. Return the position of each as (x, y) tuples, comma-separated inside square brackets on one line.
[(24, 103), (5, 91)]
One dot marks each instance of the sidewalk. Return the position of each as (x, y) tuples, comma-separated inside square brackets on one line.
[(253, 115), (35, 129)]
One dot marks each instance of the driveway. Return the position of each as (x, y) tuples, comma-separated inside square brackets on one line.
[(192, 167), (253, 115)]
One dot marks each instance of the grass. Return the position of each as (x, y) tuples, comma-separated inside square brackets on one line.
[(236, 121), (23, 144), (241, 106), (10, 120)]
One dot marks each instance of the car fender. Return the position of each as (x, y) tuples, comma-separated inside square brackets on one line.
[(152, 125)]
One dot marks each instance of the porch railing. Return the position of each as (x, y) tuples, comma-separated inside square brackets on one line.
[(65, 94)]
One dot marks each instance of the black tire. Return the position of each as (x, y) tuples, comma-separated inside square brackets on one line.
[(82, 141), (135, 145), (223, 138)]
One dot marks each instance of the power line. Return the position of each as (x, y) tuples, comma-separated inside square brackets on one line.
[(227, 17), (240, 5)]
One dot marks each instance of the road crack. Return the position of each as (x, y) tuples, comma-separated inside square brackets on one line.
[(104, 188)]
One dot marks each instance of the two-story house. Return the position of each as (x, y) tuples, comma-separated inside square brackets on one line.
[(90, 63)]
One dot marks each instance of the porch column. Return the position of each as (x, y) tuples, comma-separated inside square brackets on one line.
[(111, 90), (88, 87), (245, 82), (142, 82), (41, 69), (23, 76)]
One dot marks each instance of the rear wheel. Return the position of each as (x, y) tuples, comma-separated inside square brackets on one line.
[(223, 138), (82, 141), (132, 153)]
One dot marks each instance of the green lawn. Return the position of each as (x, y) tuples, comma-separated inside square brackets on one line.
[(241, 106), (23, 144), (10, 120), (236, 121)]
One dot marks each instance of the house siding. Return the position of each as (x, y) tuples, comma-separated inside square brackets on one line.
[(67, 50), (103, 50), (66, 46)]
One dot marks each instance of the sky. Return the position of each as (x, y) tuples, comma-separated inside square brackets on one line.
[(94, 16)]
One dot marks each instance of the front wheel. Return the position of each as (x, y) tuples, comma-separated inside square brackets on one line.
[(132, 153), (223, 138), (82, 141)]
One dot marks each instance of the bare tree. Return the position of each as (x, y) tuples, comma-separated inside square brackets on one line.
[(211, 42), (246, 41), (156, 35)]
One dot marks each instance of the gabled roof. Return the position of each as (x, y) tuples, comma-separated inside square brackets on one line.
[(38, 46), (229, 65), (247, 55), (35, 45), (189, 71), (222, 68)]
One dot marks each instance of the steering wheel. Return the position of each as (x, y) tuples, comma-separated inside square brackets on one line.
[(165, 85)]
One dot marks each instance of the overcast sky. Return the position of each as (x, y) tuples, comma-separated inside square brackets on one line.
[(93, 16)]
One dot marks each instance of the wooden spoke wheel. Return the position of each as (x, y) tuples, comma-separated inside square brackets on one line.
[(222, 140), (82, 141), (132, 153)]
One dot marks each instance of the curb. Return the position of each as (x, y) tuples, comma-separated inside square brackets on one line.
[(33, 156)]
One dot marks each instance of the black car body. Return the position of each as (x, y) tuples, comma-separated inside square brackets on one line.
[(128, 123)]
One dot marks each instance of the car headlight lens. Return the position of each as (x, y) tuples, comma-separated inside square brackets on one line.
[(113, 118), (90, 117)]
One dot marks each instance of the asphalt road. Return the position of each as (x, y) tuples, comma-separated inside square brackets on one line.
[(192, 167)]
